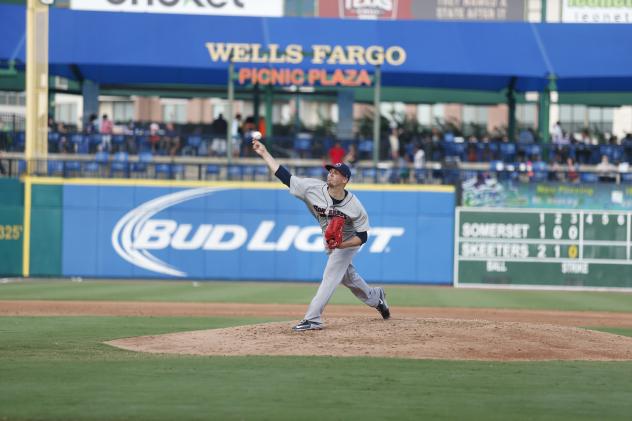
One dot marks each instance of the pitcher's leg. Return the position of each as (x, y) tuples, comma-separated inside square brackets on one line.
[(358, 286), (337, 264)]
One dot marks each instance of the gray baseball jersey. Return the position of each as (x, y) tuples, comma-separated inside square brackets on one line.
[(339, 266), (314, 193)]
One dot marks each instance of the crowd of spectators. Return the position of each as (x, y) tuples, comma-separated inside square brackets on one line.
[(408, 152)]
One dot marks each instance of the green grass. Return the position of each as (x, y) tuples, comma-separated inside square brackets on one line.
[(616, 330), (294, 293), (56, 368)]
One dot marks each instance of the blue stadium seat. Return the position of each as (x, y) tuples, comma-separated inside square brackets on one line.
[(177, 171), (420, 175), (507, 152), (534, 151), (588, 177), (170, 170), (369, 174), (118, 141), (53, 140), (92, 168), (120, 163), (248, 171), (234, 172), (192, 145), (55, 167), (315, 172), (102, 158), (163, 170), (262, 170), (94, 141), (212, 170), (144, 159), (303, 145), (72, 168)]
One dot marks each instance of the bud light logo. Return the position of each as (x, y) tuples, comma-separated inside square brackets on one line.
[(140, 232)]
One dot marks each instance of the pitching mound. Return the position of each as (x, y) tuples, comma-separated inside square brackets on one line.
[(417, 338)]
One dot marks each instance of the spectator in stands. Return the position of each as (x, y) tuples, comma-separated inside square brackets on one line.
[(154, 136), (262, 126), (130, 140), (556, 169), (336, 153), (92, 126), (404, 163), (560, 142), (106, 129), (239, 146), (63, 144), (472, 142), (606, 170), (351, 158), (557, 134), (393, 140), (237, 130), (571, 171), (51, 124), (419, 161), (419, 157), (219, 126), (170, 141), (526, 136)]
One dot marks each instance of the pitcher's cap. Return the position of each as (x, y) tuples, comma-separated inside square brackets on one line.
[(340, 167)]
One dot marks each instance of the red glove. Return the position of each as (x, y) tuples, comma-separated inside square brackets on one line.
[(333, 233)]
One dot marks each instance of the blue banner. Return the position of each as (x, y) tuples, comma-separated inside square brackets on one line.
[(247, 234)]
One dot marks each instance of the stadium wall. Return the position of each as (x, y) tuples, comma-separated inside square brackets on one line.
[(226, 230)]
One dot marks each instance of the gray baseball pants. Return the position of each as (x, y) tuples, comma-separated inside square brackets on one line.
[(340, 269)]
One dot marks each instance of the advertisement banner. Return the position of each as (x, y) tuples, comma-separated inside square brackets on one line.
[(246, 234), (192, 7), (597, 11), (479, 10), (489, 192), (364, 9)]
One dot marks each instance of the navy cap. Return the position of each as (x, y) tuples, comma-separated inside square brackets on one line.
[(342, 168)]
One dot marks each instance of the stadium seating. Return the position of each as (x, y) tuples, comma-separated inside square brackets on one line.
[(120, 164)]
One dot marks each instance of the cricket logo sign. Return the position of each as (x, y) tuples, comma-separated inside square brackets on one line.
[(141, 231)]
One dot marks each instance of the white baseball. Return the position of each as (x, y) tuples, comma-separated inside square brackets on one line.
[(256, 135)]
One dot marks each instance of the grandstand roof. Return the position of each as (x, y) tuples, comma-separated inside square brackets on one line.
[(135, 48)]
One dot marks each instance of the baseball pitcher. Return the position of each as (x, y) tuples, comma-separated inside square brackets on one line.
[(344, 223)]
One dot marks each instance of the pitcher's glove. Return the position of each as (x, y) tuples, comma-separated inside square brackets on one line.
[(333, 233)]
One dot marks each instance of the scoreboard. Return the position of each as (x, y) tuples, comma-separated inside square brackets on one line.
[(543, 247)]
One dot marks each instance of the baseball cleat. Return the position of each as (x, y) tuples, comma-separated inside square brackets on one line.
[(382, 306), (307, 325)]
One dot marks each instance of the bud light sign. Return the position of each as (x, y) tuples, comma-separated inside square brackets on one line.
[(223, 233)]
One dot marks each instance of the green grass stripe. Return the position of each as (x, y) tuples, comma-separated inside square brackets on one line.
[(616, 330), (56, 368), (298, 293)]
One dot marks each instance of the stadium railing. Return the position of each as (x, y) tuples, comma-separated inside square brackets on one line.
[(149, 166)]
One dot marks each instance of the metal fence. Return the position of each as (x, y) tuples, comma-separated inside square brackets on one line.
[(148, 166)]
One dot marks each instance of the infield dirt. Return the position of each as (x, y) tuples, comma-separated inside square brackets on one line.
[(413, 332)]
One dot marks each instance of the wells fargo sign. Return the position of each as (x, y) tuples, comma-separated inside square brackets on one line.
[(320, 54)]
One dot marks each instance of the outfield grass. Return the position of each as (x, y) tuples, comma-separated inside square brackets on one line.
[(56, 368), (296, 293)]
